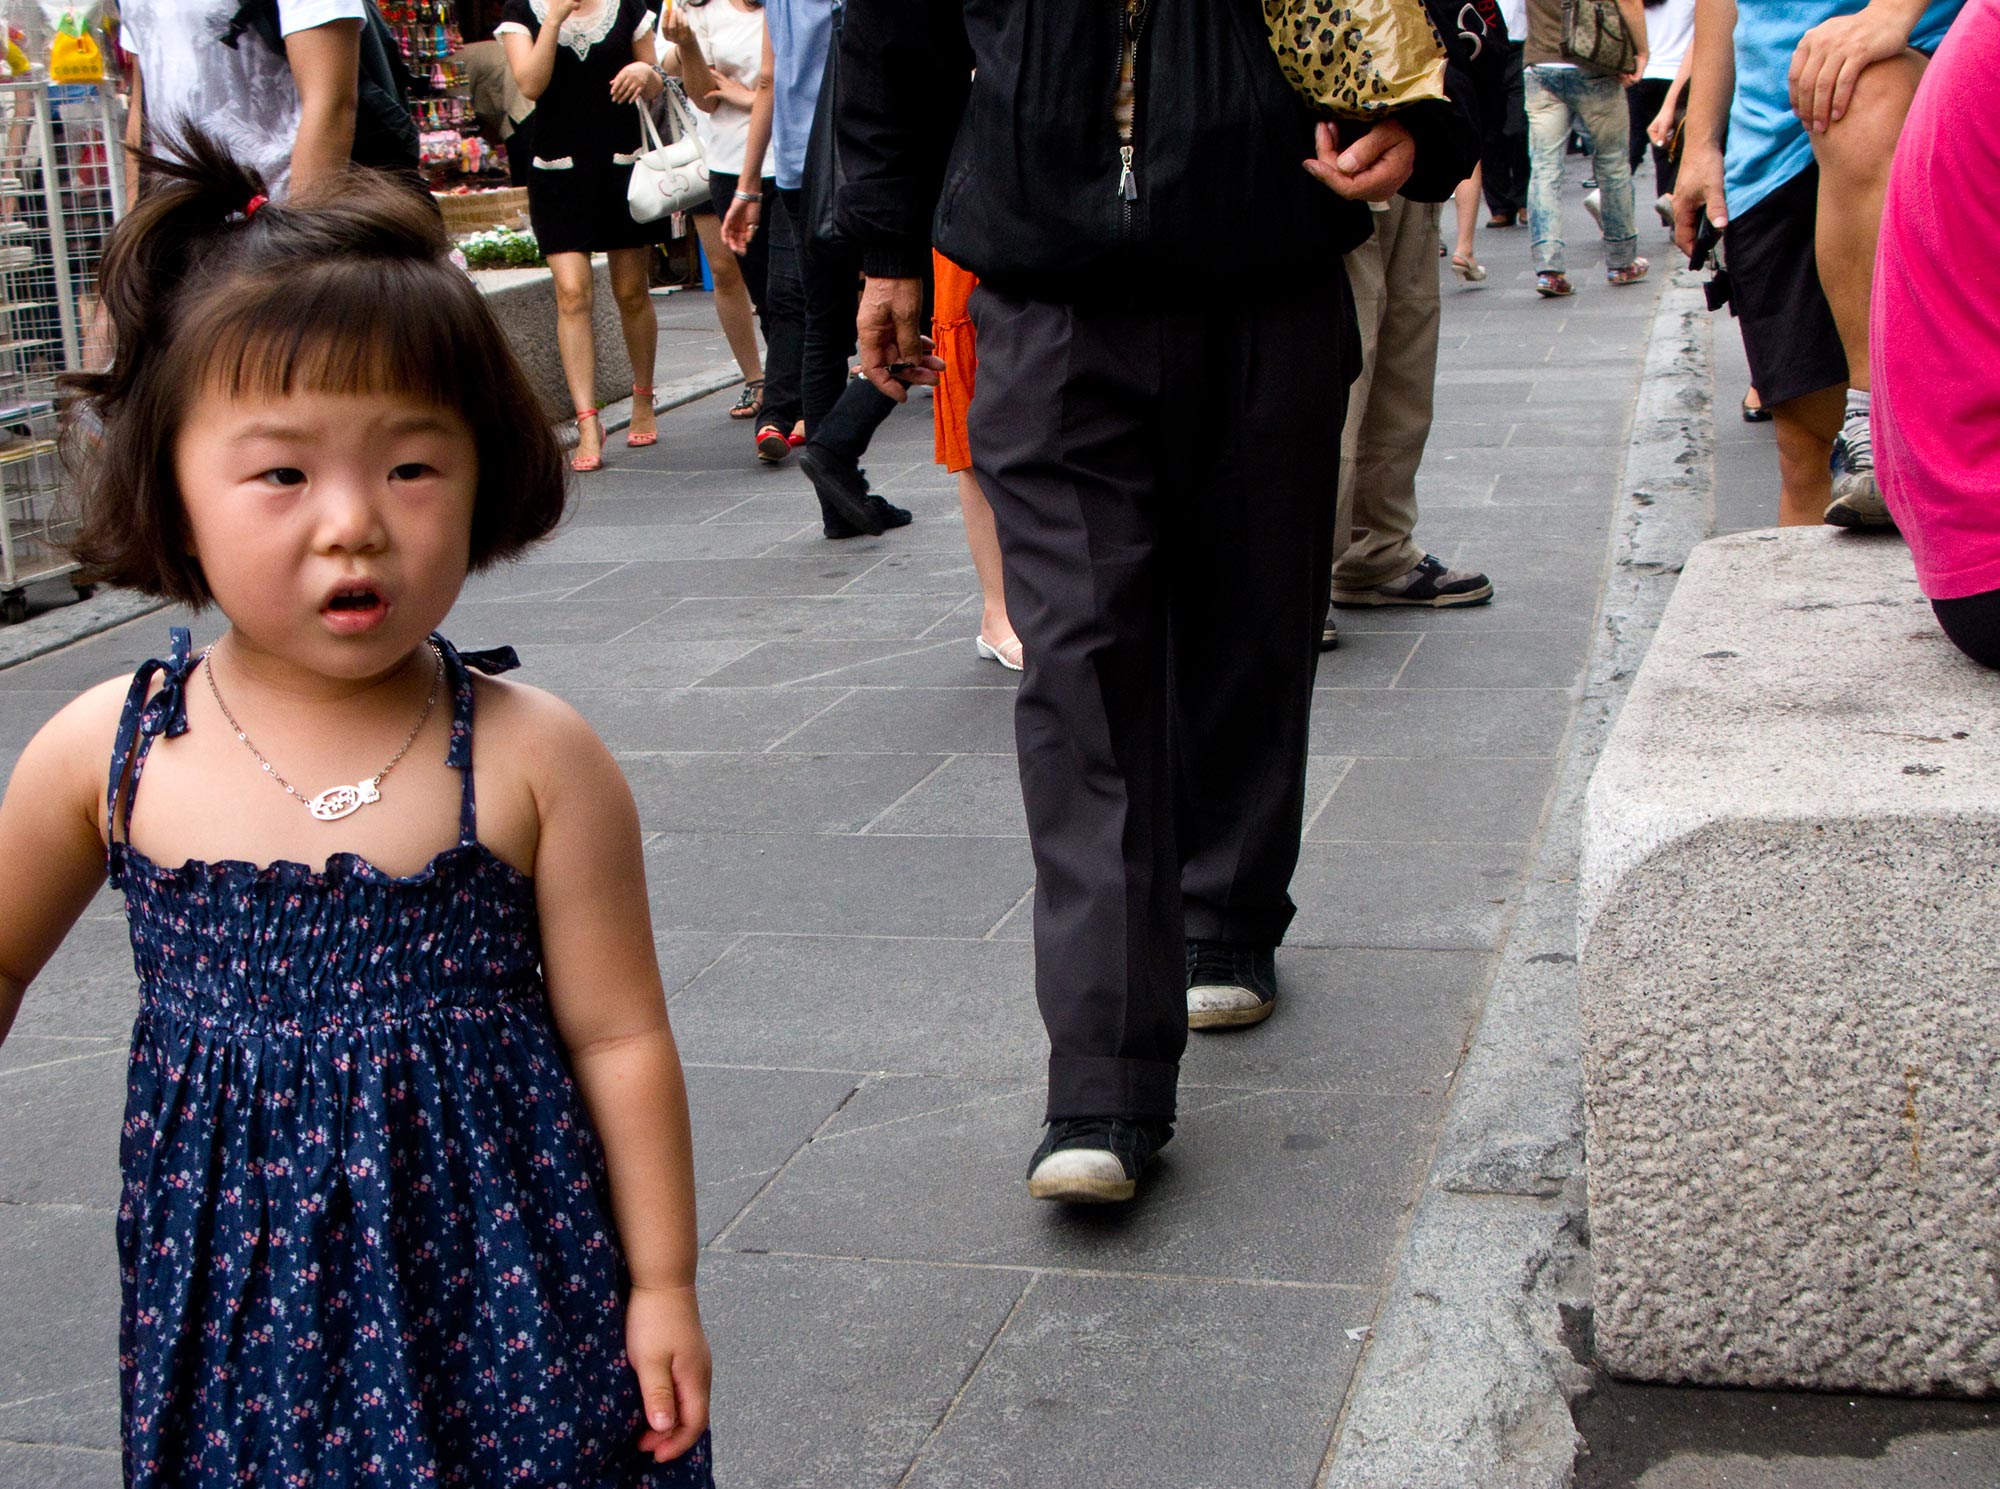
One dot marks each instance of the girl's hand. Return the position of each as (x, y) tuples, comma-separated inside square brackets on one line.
[(669, 1353), (740, 226), (635, 81), (561, 10), (675, 28), (731, 93)]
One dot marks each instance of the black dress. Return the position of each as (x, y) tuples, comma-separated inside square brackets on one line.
[(583, 141)]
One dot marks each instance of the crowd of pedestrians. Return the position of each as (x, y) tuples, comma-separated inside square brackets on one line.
[(321, 432)]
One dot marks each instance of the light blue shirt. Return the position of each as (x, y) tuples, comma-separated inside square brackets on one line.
[(1767, 143), (801, 33)]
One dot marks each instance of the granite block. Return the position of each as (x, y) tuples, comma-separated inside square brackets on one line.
[(1791, 917)]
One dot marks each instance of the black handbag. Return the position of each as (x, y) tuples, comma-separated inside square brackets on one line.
[(821, 180), (1595, 36)]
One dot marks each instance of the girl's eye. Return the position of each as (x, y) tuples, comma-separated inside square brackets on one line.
[(410, 471), (284, 475)]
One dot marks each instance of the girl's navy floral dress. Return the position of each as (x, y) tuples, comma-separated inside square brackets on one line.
[(365, 1233)]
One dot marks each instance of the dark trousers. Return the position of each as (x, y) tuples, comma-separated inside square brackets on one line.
[(1643, 100), (1973, 624), (783, 314), (1166, 569), (1503, 156), (841, 413)]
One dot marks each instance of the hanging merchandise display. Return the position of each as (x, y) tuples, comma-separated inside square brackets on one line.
[(75, 57)]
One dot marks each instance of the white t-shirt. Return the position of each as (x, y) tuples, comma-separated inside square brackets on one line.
[(1669, 33), (732, 41), (1515, 14), (245, 97)]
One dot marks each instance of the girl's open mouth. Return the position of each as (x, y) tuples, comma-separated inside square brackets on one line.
[(352, 611)]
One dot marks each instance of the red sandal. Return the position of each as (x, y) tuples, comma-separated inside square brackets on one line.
[(640, 441), (585, 463)]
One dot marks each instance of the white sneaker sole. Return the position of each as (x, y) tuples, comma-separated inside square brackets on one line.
[(1221, 1006), (1352, 599), (1081, 1176)]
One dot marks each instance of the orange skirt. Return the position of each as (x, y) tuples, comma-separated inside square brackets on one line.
[(952, 333)]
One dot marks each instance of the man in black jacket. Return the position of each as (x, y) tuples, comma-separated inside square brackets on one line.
[(1157, 441)]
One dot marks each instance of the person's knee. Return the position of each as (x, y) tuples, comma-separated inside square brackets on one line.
[(573, 296), (1859, 146)]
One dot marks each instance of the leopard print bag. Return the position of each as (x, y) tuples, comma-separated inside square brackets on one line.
[(1357, 58)]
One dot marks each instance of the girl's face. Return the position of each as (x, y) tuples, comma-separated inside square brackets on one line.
[(334, 529)]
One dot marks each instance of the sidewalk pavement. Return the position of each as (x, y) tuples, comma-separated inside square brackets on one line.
[(839, 876)]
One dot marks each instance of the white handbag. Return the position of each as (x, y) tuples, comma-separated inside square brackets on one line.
[(667, 177)]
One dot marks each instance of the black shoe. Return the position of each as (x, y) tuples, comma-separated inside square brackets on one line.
[(887, 515), (1329, 634), (1094, 1160), (842, 488), (1429, 583), (1230, 985)]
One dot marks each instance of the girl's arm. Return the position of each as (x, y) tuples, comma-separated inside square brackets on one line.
[(534, 62), (611, 1011), (1661, 129), (695, 72), (50, 838), (739, 226)]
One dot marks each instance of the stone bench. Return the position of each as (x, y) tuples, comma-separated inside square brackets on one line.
[(524, 302), (1790, 981)]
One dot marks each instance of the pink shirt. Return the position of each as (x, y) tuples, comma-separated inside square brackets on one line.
[(1935, 318)]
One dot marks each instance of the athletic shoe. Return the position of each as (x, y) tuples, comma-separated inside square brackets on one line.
[(1429, 583), (1593, 203), (1329, 634), (1094, 1160), (1230, 985), (1630, 273), (1857, 500)]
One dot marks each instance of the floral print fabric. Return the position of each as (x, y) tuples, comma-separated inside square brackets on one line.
[(364, 1233)]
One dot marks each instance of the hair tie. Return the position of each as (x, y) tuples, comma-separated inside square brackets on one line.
[(250, 210)]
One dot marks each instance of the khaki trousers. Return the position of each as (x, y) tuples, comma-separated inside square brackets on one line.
[(1395, 280)]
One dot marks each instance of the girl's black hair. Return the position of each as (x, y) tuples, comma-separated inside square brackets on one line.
[(345, 288)]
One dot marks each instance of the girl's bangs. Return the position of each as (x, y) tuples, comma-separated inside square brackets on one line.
[(369, 327)]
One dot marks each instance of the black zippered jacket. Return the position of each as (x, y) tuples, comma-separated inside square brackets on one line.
[(987, 128)]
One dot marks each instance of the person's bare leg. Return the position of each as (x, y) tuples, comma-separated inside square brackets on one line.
[(733, 310), (636, 319), (1854, 157), (1806, 427), (1465, 201), (984, 542), (575, 345)]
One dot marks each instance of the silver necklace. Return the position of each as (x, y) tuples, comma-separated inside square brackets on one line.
[(336, 801)]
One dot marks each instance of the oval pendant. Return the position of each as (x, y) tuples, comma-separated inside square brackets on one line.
[(342, 801)]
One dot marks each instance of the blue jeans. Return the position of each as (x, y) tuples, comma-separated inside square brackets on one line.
[(1554, 94)]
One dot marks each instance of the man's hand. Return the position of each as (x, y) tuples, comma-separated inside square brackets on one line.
[(740, 225), (1698, 189), (1372, 169), (894, 353), (1832, 56)]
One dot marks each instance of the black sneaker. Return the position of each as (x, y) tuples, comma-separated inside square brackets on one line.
[(1230, 985), (1329, 633), (1094, 1160), (887, 514), (1429, 583), (843, 490)]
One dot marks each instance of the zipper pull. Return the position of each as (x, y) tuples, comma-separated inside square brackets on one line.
[(1128, 187)]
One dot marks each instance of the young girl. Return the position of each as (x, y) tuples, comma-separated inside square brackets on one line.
[(407, 1192)]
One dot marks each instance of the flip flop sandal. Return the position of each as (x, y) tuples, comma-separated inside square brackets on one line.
[(750, 402)]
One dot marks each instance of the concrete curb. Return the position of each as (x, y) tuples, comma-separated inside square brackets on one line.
[(1481, 1343), (54, 629)]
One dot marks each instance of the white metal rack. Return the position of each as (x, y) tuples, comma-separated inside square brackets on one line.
[(62, 185)]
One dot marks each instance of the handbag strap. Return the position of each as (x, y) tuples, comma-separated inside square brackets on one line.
[(683, 112), (650, 134)]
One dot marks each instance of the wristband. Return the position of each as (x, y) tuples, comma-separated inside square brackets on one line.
[(749, 196)]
